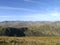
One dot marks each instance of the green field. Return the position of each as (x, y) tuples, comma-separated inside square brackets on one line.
[(29, 40)]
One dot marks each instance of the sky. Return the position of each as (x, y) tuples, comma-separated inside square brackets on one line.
[(30, 10)]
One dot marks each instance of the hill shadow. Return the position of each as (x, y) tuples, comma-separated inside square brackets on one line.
[(15, 32)]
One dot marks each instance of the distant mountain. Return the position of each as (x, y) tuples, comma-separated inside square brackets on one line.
[(22, 23)]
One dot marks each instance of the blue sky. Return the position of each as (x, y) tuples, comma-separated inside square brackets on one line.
[(30, 10)]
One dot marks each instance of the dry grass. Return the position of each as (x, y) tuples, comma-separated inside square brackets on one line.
[(30, 40)]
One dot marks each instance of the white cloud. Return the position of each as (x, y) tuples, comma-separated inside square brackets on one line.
[(55, 14), (27, 0), (3, 16), (22, 16), (33, 1), (35, 17), (13, 8), (36, 2)]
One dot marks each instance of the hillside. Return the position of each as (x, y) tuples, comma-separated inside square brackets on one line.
[(29, 28)]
